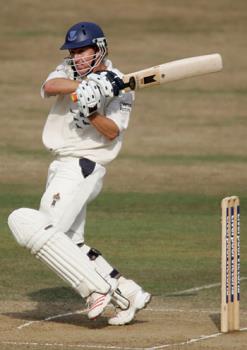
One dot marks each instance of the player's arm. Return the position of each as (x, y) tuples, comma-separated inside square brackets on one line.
[(60, 86), (104, 125)]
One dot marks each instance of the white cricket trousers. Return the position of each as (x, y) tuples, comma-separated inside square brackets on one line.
[(67, 194)]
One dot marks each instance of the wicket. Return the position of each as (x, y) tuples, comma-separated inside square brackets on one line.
[(230, 264)]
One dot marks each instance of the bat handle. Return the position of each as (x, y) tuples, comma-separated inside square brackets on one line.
[(129, 82)]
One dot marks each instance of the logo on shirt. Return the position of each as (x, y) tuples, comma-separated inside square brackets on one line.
[(125, 107), (72, 35)]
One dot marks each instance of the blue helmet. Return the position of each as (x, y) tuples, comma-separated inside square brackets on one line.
[(84, 34)]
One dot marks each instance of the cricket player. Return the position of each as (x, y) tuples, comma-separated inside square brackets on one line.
[(84, 137)]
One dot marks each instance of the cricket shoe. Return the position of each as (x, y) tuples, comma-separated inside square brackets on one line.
[(96, 304), (138, 300)]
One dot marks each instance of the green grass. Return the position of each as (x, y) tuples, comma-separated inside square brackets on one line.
[(167, 242)]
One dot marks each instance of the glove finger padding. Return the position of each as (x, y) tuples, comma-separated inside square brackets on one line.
[(102, 82), (89, 98), (108, 82)]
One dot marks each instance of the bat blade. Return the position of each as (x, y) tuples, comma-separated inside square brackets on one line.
[(174, 70)]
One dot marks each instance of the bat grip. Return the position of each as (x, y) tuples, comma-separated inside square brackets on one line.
[(131, 83)]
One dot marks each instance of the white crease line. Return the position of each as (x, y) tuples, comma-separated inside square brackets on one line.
[(77, 312), (181, 310), (242, 312), (187, 342), (84, 346), (190, 341), (196, 289), (164, 346)]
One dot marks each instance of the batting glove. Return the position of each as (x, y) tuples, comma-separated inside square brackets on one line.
[(109, 83), (89, 98)]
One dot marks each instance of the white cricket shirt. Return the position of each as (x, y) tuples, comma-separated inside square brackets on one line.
[(62, 137)]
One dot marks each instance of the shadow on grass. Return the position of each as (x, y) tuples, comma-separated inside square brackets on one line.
[(216, 320), (58, 294), (60, 305)]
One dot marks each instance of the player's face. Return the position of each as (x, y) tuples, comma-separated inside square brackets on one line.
[(83, 59)]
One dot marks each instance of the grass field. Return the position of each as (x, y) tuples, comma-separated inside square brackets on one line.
[(158, 216)]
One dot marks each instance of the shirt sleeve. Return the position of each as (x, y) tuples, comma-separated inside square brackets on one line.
[(59, 72), (119, 110)]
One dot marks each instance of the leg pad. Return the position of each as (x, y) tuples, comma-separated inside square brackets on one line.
[(33, 230)]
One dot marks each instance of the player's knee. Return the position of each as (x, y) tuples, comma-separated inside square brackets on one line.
[(30, 228)]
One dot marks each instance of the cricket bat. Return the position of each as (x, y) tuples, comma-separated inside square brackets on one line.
[(171, 71)]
